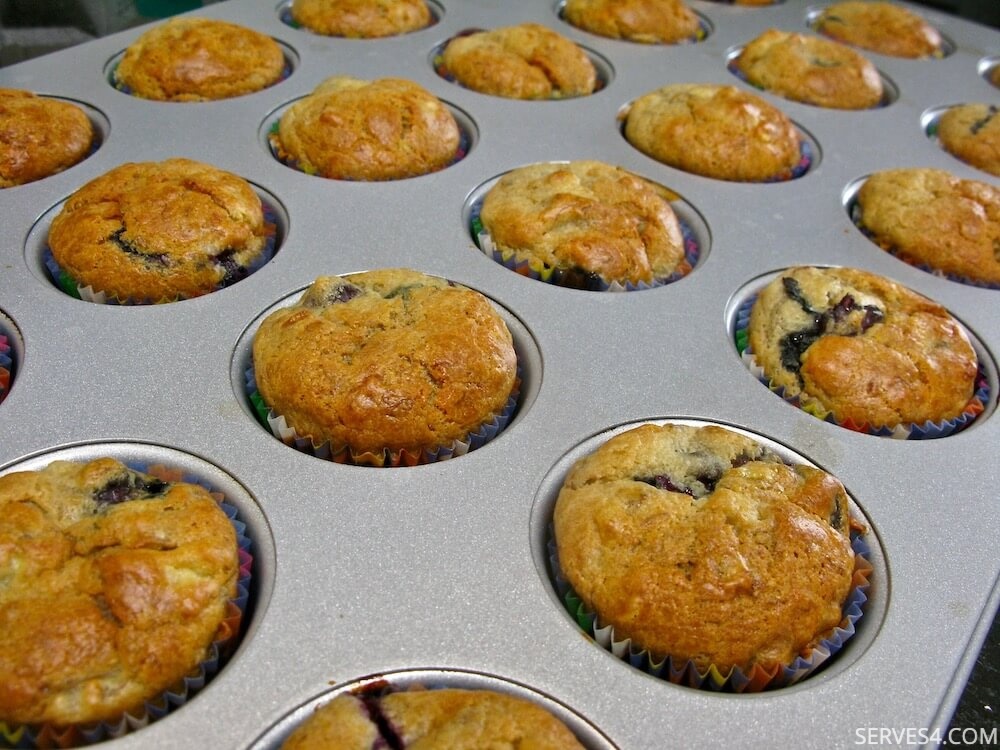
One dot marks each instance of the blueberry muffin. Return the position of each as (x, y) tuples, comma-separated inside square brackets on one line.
[(113, 586), (199, 59), (390, 360), (528, 61), (881, 27), (702, 545), (810, 69), (160, 231), (40, 136), (361, 19), (589, 220), (931, 218), (868, 350), (971, 132), (447, 718), (349, 129), (645, 21), (715, 131)]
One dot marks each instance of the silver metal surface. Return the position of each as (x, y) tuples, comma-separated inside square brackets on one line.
[(366, 571)]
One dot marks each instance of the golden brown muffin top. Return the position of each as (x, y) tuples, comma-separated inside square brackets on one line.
[(715, 131), (700, 544), (587, 216), (868, 349), (113, 585), (39, 136), (931, 217), (971, 132), (199, 59), (159, 230), (810, 69), (387, 129), (445, 719), (646, 21), (361, 19), (880, 27), (528, 61), (387, 359)]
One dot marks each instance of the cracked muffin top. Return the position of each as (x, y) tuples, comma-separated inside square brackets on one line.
[(361, 19), (971, 132), (587, 217), (645, 21), (391, 359), (528, 61), (715, 131), (199, 59), (880, 27), (932, 218), (113, 586), (869, 350), (39, 136), (701, 544), (810, 69), (449, 718), (160, 231), (350, 129)]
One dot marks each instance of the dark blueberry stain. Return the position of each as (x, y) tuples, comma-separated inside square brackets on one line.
[(127, 247), (402, 291), (984, 121), (388, 736), (579, 278), (232, 270), (129, 487), (741, 460), (794, 291), (794, 345), (837, 516)]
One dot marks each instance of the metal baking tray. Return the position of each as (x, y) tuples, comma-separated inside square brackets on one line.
[(437, 574)]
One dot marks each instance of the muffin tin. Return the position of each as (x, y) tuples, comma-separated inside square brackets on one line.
[(438, 574)]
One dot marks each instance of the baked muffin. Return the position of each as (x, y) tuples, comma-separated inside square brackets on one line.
[(161, 231), (880, 27), (40, 136), (810, 69), (528, 61), (971, 132), (701, 545), (931, 218), (114, 585), (387, 361), (714, 131), (646, 21), (446, 718), (595, 223), (198, 59), (349, 129), (868, 350), (361, 19), (995, 76)]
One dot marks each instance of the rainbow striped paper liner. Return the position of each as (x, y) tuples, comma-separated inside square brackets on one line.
[(6, 364), (52, 736), (684, 672), (907, 431)]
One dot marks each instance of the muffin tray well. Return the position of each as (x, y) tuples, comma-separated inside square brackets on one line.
[(438, 574)]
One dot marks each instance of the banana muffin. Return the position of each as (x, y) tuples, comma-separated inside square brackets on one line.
[(931, 218), (385, 361), (715, 131), (528, 61), (971, 132), (199, 59), (160, 231), (645, 21), (868, 350), (702, 545), (350, 129), (810, 69), (361, 19), (449, 718), (40, 136), (586, 219), (881, 27), (114, 584)]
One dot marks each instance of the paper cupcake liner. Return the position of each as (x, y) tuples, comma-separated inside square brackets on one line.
[(573, 279), (810, 405), (735, 680), (49, 735), (71, 287), (6, 364), (344, 454), (885, 101)]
